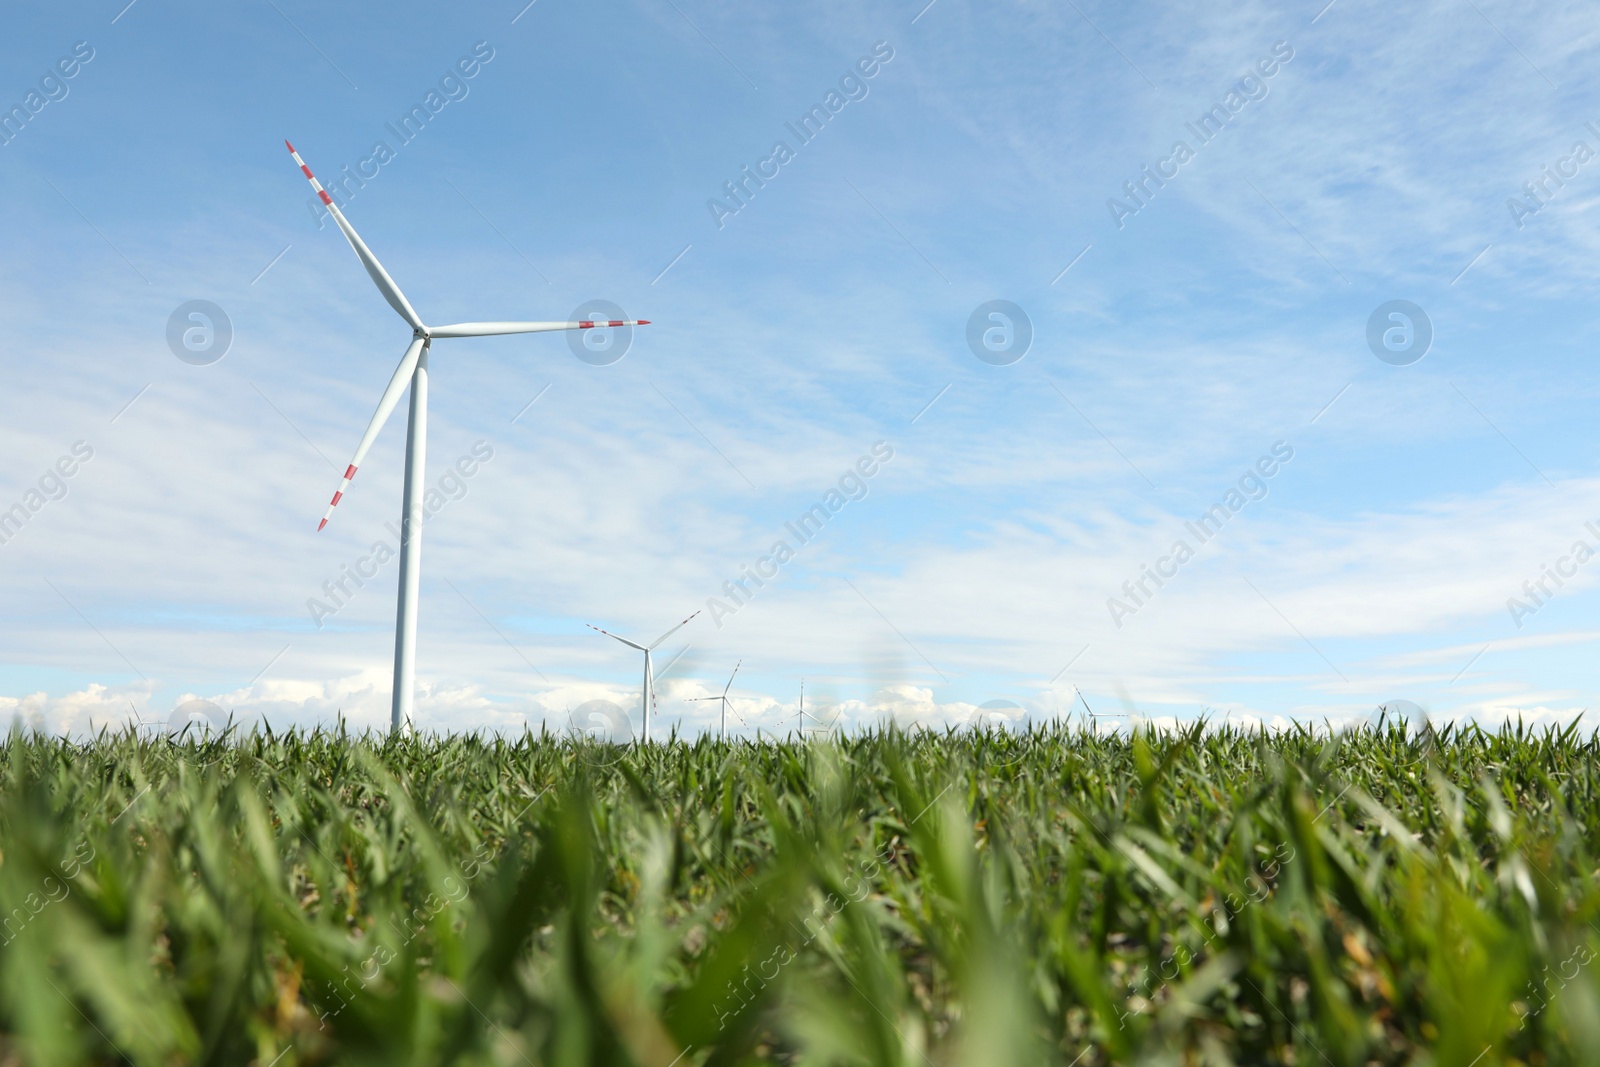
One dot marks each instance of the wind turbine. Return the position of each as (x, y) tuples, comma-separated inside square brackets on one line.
[(413, 371), (648, 693), (723, 698)]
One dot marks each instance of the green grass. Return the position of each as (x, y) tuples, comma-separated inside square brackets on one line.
[(920, 899)]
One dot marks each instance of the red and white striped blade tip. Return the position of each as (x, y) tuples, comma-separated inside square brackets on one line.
[(312, 178), (344, 483), (588, 324)]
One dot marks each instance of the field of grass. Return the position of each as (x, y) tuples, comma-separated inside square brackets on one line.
[(894, 898)]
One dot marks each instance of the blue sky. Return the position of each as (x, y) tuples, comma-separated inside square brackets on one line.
[(1225, 317)]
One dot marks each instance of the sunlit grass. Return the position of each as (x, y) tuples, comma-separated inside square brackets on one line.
[(895, 898)]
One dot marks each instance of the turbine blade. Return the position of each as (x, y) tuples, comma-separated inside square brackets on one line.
[(729, 686), (624, 640), (492, 329), (391, 397), (670, 632), (380, 277)]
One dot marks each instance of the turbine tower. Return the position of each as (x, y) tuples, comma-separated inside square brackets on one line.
[(647, 695), (412, 371), (723, 698)]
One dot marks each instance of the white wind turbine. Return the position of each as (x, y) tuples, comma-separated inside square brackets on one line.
[(647, 694), (413, 371), (724, 698)]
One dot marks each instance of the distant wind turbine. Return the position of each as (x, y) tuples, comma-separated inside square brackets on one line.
[(724, 698), (413, 371), (647, 695)]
